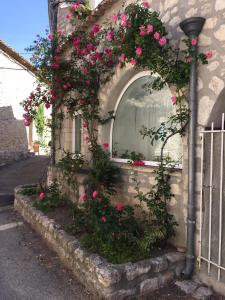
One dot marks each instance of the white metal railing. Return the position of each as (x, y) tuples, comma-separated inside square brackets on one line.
[(201, 258)]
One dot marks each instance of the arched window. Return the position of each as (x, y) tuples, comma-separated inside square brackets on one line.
[(137, 107)]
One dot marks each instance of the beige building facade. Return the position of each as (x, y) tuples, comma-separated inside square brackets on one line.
[(211, 105)]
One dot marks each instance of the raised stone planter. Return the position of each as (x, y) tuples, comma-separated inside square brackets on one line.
[(104, 280)]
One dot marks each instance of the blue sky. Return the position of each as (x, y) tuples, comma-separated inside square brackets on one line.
[(21, 21)]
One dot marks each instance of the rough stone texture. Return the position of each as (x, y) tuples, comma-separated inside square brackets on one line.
[(220, 5), (188, 287), (104, 280), (220, 33), (203, 293)]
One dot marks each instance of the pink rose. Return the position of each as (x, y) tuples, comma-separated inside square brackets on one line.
[(142, 33), (47, 105), (194, 42), (83, 52), (50, 37), (83, 197), (103, 219), (84, 70), (68, 17), (26, 122), (146, 4), (149, 28), (76, 42), (119, 206), (95, 194), (123, 17), (105, 145), (162, 41), (96, 28), (109, 36), (174, 100), (139, 51), (209, 54), (133, 61), (122, 57), (189, 59), (124, 23), (156, 36), (41, 196), (89, 46), (114, 18)]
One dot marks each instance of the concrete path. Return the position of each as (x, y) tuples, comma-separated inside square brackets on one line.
[(29, 270)]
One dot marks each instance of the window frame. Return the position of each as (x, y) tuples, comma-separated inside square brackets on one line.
[(123, 160)]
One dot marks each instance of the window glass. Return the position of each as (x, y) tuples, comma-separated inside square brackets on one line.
[(139, 108), (77, 133)]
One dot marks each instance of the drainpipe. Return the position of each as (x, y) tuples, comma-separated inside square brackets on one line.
[(192, 28)]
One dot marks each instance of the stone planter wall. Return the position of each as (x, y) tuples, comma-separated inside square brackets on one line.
[(104, 280)]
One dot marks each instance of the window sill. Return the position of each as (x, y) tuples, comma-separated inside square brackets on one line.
[(153, 164)]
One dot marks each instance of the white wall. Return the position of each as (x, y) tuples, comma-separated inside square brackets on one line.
[(15, 85)]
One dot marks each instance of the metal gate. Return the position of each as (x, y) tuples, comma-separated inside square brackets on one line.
[(212, 203)]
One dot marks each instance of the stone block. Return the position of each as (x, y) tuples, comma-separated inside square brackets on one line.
[(187, 286), (107, 276), (159, 264), (137, 269), (203, 293), (149, 285)]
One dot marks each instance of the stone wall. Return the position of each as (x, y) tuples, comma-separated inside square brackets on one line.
[(13, 143), (104, 280), (16, 83)]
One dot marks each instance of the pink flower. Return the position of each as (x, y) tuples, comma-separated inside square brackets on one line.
[(123, 17), (76, 42), (156, 36), (83, 52), (119, 206), (122, 57), (174, 100), (47, 105), (146, 4), (95, 194), (189, 59), (89, 46), (68, 16), (124, 23), (138, 163), (114, 18), (109, 36), (162, 41), (105, 145), (88, 82), (103, 219), (85, 125), (83, 197), (194, 42), (139, 51), (83, 102), (50, 37), (149, 28), (133, 61), (209, 54), (96, 28), (26, 122), (84, 70), (142, 33), (42, 195)]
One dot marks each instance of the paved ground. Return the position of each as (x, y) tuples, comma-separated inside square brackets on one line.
[(29, 270)]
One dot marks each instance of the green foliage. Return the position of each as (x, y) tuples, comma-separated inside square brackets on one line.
[(49, 199), (70, 164), (104, 174), (30, 190), (40, 121)]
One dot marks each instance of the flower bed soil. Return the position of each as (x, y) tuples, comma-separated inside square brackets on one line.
[(103, 279)]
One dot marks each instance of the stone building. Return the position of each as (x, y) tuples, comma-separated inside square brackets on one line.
[(17, 80), (211, 105)]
